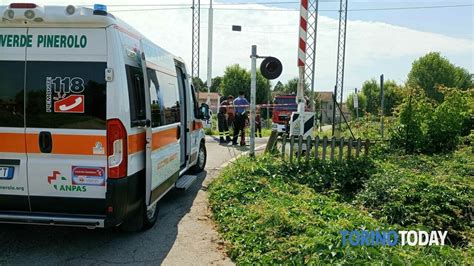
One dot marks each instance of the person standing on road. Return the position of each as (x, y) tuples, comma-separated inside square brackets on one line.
[(240, 104), (230, 111), (222, 125)]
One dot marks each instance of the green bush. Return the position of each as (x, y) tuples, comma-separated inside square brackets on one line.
[(343, 178), (266, 217), (428, 127), (420, 190), (448, 120)]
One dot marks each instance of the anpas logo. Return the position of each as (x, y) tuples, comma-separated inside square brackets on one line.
[(61, 183), (68, 95)]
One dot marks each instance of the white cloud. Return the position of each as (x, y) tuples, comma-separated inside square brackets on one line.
[(372, 47)]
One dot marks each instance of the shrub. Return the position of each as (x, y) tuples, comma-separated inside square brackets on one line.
[(343, 178), (446, 124), (428, 127), (419, 190), (267, 218)]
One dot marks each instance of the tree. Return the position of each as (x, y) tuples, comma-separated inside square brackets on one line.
[(412, 121), (431, 71), (291, 86), (392, 96), (279, 87), (423, 125), (362, 104), (216, 82), (198, 84), (237, 79), (448, 119), (371, 90)]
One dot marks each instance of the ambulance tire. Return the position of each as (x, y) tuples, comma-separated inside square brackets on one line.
[(201, 160), (141, 220)]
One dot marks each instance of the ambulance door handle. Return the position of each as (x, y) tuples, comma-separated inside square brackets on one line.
[(45, 142), (178, 132)]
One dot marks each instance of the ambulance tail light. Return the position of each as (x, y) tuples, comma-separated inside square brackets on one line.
[(117, 152)]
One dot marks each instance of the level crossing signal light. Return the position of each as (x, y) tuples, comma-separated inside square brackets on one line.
[(271, 68)]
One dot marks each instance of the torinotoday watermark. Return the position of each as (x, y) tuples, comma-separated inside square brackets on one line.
[(393, 238)]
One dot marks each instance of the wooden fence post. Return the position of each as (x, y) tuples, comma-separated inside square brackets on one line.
[(272, 142), (358, 148), (341, 149), (333, 144), (308, 148), (292, 143), (325, 144), (316, 147), (283, 147), (300, 147)]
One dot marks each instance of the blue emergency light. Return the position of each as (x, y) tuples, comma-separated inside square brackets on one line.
[(100, 9)]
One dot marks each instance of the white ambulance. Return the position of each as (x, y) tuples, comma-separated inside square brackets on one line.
[(97, 123)]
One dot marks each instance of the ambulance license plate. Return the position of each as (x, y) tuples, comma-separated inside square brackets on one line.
[(6, 172)]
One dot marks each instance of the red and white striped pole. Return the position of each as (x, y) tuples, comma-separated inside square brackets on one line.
[(303, 33), (301, 63), (302, 54)]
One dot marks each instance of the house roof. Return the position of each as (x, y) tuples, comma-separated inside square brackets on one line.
[(325, 96), (203, 96)]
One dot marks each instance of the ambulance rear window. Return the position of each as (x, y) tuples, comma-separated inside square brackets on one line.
[(66, 95), (11, 93)]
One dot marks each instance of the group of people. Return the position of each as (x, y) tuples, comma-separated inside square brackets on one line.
[(233, 114)]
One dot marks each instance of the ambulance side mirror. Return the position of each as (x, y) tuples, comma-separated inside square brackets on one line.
[(204, 112)]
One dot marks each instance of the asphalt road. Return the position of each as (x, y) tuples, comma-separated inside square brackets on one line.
[(183, 234)]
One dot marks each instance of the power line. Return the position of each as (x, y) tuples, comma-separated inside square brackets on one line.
[(228, 4), (219, 4), (294, 10)]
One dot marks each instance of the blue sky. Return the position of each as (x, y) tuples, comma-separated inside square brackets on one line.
[(454, 22)]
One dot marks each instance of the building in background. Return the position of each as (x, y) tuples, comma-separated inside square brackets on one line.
[(202, 98), (326, 106)]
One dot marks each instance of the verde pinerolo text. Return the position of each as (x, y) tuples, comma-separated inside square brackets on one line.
[(43, 41)]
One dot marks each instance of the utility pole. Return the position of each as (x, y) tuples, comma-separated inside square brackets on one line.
[(311, 38), (341, 52), (253, 92), (195, 37), (209, 56), (381, 103)]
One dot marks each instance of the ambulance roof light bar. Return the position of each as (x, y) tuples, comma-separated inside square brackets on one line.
[(23, 5), (100, 9)]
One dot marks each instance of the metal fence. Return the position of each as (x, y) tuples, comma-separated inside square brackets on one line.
[(295, 148)]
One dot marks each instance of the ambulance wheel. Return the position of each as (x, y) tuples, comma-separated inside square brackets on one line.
[(201, 160), (142, 220)]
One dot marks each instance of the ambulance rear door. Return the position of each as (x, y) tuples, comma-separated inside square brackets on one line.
[(66, 120), (13, 160)]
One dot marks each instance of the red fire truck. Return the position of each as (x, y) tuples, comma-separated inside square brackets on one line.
[(284, 106)]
